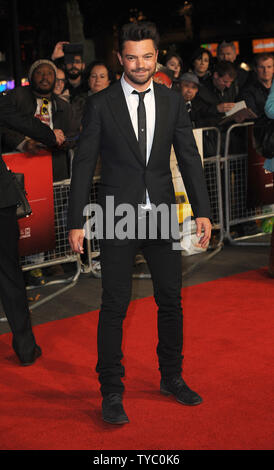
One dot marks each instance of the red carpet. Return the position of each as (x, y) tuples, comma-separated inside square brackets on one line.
[(228, 324)]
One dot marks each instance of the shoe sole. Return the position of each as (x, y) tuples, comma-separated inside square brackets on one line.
[(26, 364), (122, 421), (166, 393)]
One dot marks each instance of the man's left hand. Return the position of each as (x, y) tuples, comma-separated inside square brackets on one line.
[(203, 224)]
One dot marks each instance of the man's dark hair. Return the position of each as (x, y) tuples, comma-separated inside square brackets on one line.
[(138, 32), (225, 68)]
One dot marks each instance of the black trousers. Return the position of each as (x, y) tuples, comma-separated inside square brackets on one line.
[(165, 265), (12, 286)]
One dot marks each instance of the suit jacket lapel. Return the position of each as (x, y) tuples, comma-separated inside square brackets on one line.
[(119, 109)]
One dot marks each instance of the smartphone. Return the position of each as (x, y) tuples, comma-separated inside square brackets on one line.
[(72, 50)]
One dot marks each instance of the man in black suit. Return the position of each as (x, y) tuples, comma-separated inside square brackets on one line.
[(12, 286), (136, 173)]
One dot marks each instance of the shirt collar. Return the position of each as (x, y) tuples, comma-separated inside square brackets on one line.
[(128, 89)]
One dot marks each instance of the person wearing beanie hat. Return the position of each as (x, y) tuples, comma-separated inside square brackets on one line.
[(38, 100), (38, 63)]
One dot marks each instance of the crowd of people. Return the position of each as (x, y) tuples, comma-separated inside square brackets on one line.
[(59, 87), (57, 95), (209, 85)]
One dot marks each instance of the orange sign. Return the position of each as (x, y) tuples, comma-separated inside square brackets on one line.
[(263, 45)]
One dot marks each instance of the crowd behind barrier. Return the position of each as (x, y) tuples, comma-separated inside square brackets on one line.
[(228, 199), (210, 87)]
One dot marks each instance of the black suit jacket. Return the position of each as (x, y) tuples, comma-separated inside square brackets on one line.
[(28, 125), (108, 131)]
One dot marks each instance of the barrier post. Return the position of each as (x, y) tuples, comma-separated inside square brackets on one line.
[(62, 252)]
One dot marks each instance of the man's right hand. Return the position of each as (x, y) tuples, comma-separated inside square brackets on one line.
[(224, 107), (76, 240), (58, 50), (59, 135)]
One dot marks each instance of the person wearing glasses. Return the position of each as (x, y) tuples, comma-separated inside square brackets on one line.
[(39, 100), (70, 57), (60, 88)]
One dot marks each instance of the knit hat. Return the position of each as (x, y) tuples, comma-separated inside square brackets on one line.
[(41, 62), (190, 77)]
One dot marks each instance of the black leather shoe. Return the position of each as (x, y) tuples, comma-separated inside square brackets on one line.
[(113, 411), (28, 361), (183, 394)]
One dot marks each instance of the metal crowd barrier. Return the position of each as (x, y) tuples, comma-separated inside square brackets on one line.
[(62, 253), (236, 178), (212, 169), (226, 179)]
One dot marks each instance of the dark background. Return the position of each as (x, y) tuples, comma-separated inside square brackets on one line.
[(42, 23)]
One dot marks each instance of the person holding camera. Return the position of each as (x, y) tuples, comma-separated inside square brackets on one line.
[(71, 55)]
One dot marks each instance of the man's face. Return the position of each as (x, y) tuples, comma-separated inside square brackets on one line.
[(139, 60), (265, 70), (227, 53), (75, 68), (222, 82), (43, 79), (189, 90)]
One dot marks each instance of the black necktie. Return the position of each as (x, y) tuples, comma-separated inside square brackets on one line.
[(142, 126)]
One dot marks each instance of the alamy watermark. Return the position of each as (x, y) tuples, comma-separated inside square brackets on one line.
[(126, 222)]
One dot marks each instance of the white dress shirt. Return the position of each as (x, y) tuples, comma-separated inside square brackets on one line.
[(132, 103)]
